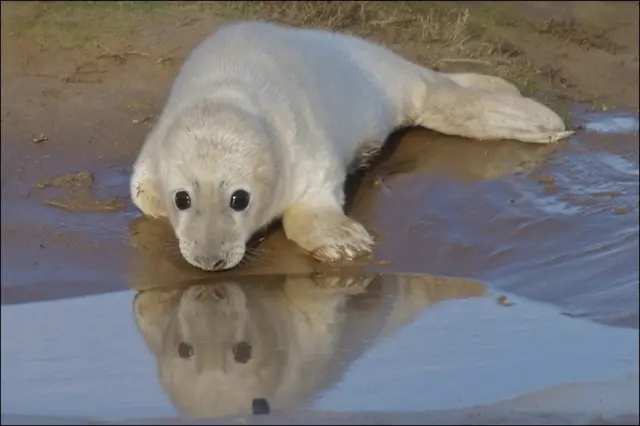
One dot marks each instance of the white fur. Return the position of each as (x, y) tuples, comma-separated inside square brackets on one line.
[(282, 113)]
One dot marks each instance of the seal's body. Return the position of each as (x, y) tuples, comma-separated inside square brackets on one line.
[(265, 121)]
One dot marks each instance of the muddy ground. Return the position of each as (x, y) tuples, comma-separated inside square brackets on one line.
[(82, 83)]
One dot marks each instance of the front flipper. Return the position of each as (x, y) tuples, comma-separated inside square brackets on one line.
[(326, 232), (143, 189)]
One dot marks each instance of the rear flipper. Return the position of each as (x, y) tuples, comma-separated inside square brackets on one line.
[(481, 114), (482, 82)]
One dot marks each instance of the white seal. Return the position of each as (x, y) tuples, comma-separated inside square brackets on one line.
[(265, 122)]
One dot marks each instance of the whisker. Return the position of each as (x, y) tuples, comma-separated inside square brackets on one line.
[(251, 257), (258, 251), (255, 257)]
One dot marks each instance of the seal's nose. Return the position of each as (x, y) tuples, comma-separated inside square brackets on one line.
[(209, 265)]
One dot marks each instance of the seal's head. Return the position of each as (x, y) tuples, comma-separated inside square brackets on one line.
[(219, 175)]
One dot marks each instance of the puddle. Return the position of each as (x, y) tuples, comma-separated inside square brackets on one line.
[(611, 123), (555, 224), (433, 343)]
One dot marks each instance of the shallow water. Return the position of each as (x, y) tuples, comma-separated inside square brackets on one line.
[(556, 224), (402, 344)]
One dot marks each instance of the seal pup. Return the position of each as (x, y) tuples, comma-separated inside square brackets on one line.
[(264, 122)]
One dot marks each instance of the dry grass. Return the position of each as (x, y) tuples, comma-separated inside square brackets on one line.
[(436, 34), (72, 24)]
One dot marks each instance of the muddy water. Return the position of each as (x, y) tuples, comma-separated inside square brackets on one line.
[(555, 224), (558, 225)]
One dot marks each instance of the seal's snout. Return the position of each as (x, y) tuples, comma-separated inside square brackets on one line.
[(209, 264), (210, 257)]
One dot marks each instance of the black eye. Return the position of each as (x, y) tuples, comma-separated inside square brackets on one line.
[(239, 200), (182, 200)]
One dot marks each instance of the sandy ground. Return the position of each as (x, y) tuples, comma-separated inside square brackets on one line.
[(83, 82)]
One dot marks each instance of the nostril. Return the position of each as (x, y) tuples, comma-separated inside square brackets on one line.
[(219, 264)]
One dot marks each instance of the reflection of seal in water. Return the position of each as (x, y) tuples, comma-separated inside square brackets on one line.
[(265, 122), (299, 334)]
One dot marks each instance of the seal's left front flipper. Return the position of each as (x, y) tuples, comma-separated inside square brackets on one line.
[(479, 114), (326, 232)]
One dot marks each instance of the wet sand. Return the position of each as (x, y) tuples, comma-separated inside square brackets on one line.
[(502, 270)]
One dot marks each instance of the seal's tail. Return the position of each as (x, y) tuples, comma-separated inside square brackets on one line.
[(482, 114)]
